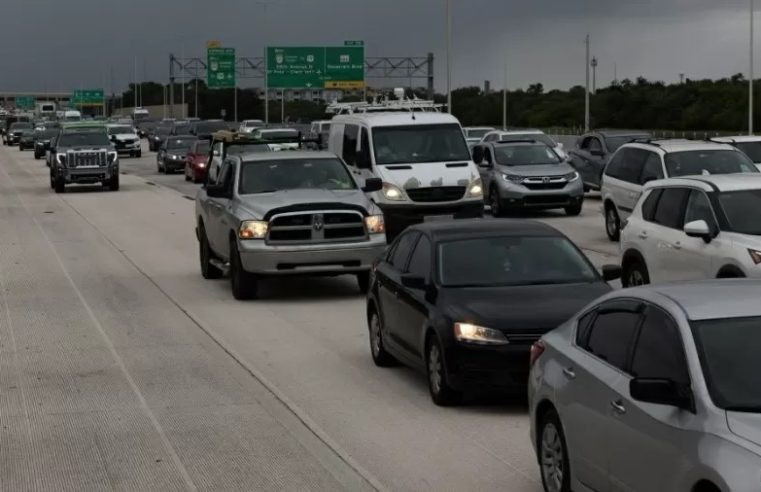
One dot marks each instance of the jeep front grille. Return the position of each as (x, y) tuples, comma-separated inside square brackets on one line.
[(316, 227)]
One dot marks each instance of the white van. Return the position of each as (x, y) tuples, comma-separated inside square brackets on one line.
[(72, 115), (422, 158)]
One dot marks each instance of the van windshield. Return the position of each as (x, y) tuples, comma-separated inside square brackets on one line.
[(417, 144)]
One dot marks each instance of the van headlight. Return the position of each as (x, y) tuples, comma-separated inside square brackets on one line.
[(476, 189), (253, 229), (375, 224), (393, 192)]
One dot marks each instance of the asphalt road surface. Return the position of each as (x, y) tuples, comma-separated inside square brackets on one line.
[(122, 368)]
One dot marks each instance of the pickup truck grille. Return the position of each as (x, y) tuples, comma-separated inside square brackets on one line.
[(437, 194), (316, 227), (94, 158)]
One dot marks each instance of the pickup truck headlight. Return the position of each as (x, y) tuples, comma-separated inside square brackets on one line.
[(476, 189), (253, 229), (61, 158), (466, 332), (375, 224), (112, 157), (393, 192)]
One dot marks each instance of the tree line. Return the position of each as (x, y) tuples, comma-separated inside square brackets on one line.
[(694, 105)]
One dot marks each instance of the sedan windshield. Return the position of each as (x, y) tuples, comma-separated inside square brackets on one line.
[(736, 205), (20, 126), (179, 143), (728, 350), (420, 144), (525, 155), (700, 162), (751, 149), (289, 174), (84, 138), (114, 130), (512, 260)]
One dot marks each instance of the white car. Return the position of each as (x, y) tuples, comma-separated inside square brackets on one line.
[(125, 139), (290, 138), (749, 144), (248, 126), (637, 163), (695, 227), (538, 135), (474, 134)]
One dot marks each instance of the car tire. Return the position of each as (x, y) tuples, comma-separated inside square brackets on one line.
[(363, 282), (187, 178), (197, 180), (243, 284), (495, 201), (554, 464), (612, 223), (574, 210), (161, 169), (635, 274), (381, 357), (113, 182), (59, 185), (205, 255), (139, 154), (442, 393)]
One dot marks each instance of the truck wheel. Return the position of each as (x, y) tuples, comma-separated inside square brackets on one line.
[(139, 154), (244, 284), (113, 183), (60, 184), (205, 254)]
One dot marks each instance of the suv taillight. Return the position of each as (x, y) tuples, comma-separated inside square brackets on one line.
[(537, 349)]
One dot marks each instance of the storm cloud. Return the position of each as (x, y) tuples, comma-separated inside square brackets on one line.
[(62, 45)]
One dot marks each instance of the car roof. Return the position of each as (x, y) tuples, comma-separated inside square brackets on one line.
[(738, 139), (619, 133), (707, 299), (679, 145), (467, 228), (712, 182), (519, 132), (397, 118), (286, 155)]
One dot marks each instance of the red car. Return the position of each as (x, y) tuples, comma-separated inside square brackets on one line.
[(197, 162)]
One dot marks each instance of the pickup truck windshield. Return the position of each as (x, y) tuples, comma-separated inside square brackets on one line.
[(418, 144), (290, 174), (85, 138)]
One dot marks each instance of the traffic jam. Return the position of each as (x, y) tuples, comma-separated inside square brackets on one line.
[(646, 384)]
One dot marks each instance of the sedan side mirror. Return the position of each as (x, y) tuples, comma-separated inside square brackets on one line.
[(372, 185), (699, 228), (611, 272), (662, 392), (413, 282)]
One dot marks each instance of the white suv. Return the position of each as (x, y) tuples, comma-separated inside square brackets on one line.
[(695, 227), (750, 144), (637, 163)]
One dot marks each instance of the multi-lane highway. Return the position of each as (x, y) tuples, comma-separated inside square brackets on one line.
[(122, 368)]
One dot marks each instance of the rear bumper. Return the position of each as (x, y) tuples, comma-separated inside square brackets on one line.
[(319, 259)]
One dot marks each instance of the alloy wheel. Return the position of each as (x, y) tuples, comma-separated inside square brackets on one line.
[(434, 368), (375, 335), (552, 461)]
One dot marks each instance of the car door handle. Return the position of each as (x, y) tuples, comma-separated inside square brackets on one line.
[(618, 407), (569, 373), (643, 235), (677, 245)]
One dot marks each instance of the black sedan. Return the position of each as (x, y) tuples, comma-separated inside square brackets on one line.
[(172, 153), (42, 139), (26, 139), (464, 300)]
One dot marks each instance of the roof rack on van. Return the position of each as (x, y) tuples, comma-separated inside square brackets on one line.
[(646, 140), (385, 105)]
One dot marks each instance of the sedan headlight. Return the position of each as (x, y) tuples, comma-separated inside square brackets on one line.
[(61, 158), (393, 192), (512, 178), (476, 189), (253, 229), (466, 332), (571, 177), (375, 224)]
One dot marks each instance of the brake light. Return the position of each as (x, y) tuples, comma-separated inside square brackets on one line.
[(537, 349)]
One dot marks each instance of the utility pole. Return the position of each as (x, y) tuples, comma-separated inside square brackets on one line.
[(594, 75), (449, 56), (195, 92), (504, 99), (182, 65), (586, 92), (134, 84), (750, 81), (681, 78), (615, 73)]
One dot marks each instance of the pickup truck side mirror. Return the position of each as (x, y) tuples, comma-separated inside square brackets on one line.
[(372, 185)]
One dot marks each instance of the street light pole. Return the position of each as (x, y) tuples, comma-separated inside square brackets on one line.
[(586, 91), (504, 99), (449, 56), (750, 81), (195, 92)]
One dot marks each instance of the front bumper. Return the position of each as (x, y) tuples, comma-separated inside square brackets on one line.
[(504, 367), (174, 164), (399, 217), (315, 259), (12, 139), (127, 147), (88, 175), (26, 144), (519, 196)]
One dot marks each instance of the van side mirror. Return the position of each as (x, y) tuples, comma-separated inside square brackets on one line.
[(372, 185), (662, 392)]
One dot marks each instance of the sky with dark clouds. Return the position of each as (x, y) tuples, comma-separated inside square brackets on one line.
[(66, 44)]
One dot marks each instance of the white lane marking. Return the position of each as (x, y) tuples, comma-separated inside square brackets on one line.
[(143, 403)]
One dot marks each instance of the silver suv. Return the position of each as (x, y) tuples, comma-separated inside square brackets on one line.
[(526, 173), (287, 213)]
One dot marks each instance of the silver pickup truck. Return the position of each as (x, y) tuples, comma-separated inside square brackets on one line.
[(287, 213)]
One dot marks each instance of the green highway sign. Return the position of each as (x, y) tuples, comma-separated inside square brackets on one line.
[(25, 102), (87, 97), (340, 67), (220, 68)]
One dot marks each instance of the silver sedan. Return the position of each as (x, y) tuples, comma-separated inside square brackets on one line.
[(652, 389)]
